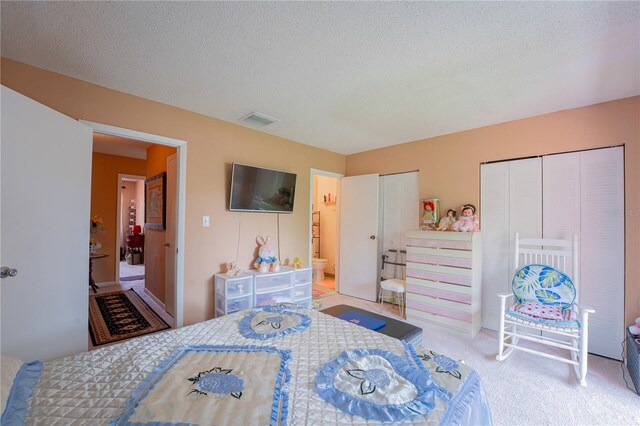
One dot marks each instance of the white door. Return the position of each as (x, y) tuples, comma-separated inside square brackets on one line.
[(170, 235), (510, 202), (44, 222), (601, 283), (357, 271)]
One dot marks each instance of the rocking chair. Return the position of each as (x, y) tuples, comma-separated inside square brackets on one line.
[(546, 309)]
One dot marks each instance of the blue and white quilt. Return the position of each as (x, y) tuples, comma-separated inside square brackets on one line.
[(275, 365)]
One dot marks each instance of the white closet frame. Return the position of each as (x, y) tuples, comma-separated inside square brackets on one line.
[(589, 185)]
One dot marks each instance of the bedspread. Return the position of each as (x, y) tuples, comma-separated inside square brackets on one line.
[(106, 385)]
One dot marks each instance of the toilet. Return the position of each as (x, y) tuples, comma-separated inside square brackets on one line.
[(318, 265)]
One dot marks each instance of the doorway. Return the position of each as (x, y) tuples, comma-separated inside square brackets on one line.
[(325, 188), (158, 242), (131, 265)]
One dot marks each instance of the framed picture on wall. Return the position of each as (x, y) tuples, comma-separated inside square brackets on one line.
[(155, 200)]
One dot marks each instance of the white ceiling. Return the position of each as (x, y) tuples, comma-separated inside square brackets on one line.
[(123, 147), (344, 76)]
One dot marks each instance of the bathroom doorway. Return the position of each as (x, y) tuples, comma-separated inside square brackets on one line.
[(325, 198)]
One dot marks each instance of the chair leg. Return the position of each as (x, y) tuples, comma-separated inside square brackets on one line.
[(380, 298), (500, 355), (584, 345)]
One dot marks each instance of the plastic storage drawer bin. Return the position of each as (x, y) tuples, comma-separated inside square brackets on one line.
[(239, 304), (305, 302), (272, 282), (302, 292), (239, 287), (302, 276), (270, 298)]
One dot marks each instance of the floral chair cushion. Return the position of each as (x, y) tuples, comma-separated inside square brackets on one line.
[(545, 285), (553, 316)]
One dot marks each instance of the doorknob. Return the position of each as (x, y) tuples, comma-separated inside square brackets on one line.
[(5, 272), (373, 237), (167, 244)]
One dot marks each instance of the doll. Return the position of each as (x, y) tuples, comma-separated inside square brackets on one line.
[(467, 220), (447, 221)]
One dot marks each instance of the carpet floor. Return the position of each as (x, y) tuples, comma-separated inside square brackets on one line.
[(121, 315)]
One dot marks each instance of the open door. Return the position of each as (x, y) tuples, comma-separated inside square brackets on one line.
[(44, 226), (170, 235), (358, 264)]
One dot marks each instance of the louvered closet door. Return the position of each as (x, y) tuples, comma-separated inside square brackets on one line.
[(511, 194), (602, 247), (400, 214), (561, 196), (494, 223)]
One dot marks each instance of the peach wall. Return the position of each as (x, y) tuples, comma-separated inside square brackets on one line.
[(212, 146), (104, 203), (450, 165), (154, 250)]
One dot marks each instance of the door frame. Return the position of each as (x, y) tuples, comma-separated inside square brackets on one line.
[(121, 176), (181, 151), (313, 172)]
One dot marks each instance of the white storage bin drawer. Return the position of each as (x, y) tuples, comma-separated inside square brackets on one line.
[(272, 282), (302, 291), (238, 304), (305, 302), (302, 276), (270, 298), (240, 287)]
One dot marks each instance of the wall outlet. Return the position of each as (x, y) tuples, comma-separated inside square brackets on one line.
[(205, 221)]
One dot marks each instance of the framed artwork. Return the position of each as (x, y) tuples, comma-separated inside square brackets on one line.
[(155, 200), (429, 213)]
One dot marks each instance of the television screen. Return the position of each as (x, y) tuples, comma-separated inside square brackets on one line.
[(261, 190)]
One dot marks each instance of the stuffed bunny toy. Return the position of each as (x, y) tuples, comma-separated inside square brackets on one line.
[(265, 255)]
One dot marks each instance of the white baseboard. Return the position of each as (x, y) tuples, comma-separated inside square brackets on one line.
[(106, 283), (155, 299)]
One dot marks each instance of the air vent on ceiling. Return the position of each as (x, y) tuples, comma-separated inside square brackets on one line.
[(257, 119)]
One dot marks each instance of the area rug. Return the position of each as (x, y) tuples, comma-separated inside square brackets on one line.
[(319, 291), (132, 278), (121, 315)]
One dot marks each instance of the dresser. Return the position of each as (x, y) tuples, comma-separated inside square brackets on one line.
[(252, 288), (444, 271)]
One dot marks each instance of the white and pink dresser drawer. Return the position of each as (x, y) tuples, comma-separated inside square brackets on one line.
[(444, 280)]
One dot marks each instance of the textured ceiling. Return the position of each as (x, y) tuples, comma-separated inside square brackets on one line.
[(114, 145), (347, 76)]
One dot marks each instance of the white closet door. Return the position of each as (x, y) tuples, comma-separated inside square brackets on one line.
[(400, 214), (511, 194), (494, 224), (561, 196), (525, 208), (602, 247)]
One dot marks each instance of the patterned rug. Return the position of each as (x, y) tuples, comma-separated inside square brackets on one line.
[(121, 315), (320, 291)]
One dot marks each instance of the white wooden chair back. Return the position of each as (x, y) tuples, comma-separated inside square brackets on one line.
[(559, 254)]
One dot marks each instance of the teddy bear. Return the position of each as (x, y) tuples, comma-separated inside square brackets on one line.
[(467, 221), (266, 259), (297, 263)]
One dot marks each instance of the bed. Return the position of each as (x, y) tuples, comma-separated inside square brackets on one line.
[(278, 364)]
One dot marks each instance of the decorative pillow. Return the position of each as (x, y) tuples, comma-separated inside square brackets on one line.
[(541, 310), (544, 284), (9, 367)]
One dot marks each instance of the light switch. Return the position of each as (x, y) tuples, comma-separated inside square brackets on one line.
[(205, 221)]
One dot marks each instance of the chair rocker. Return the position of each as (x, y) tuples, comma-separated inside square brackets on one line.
[(545, 282)]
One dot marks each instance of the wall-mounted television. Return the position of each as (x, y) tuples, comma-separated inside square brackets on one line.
[(254, 189)]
